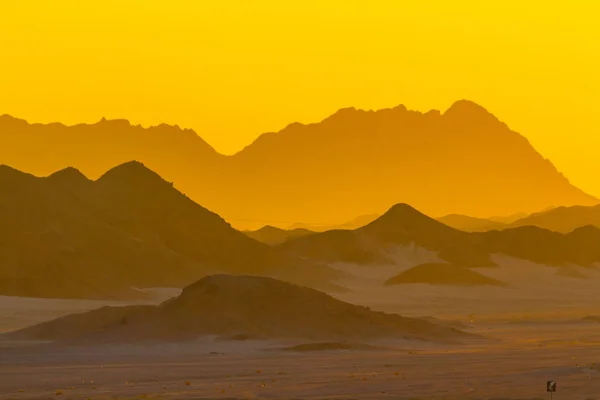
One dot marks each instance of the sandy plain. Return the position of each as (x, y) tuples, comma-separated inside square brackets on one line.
[(535, 331)]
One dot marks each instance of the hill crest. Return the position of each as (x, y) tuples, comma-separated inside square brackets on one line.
[(224, 304)]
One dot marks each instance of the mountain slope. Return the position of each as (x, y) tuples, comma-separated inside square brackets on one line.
[(401, 225), (404, 226), (225, 305), (365, 161), (67, 236), (352, 163)]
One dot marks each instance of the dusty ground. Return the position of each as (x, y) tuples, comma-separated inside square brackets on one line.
[(535, 323), (516, 367)]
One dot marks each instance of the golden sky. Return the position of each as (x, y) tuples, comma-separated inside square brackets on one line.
[(234, 69)]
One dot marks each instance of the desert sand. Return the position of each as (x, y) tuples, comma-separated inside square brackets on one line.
[(515, 367), (536, 328)]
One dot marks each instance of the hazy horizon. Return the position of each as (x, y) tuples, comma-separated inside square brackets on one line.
[(218, 68)]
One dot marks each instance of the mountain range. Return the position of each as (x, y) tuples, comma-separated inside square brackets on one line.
[(354, 223), (355, 162), (402, 226), (70, 237), (67, 236), (273, 236), (563, 219), (558, 219), (471, 224)]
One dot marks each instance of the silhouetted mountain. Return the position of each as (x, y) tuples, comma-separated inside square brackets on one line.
[(353, 162), (225, 305), (272, 236), (404, 226), (580, 247), (442, 274), (66, 236), (471, 224), (352, 224), (70, 178), (401, 225), (509, 219), (562, 219), (558, 219)]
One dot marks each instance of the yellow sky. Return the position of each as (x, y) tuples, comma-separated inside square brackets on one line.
[(234, 69)]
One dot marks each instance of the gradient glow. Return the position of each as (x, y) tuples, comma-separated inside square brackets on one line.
[(235, 69)]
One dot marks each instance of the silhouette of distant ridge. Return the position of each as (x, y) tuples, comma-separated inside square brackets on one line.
[(355, 162), (563, 219), (272, 236), (471, 224), (354, 223)]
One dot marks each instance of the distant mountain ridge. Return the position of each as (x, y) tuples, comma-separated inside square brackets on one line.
[(352, 163), (471, 224), (354, 223), (563, 219), (273, 236), (557, 219)]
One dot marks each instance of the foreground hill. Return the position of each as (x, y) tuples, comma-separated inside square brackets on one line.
[(225, 305), (403, 226), (352, 163), (70, 237)]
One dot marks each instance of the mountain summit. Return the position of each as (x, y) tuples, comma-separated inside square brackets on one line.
[(355, 162)]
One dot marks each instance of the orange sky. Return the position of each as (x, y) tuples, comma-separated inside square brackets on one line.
[(234, 69)]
